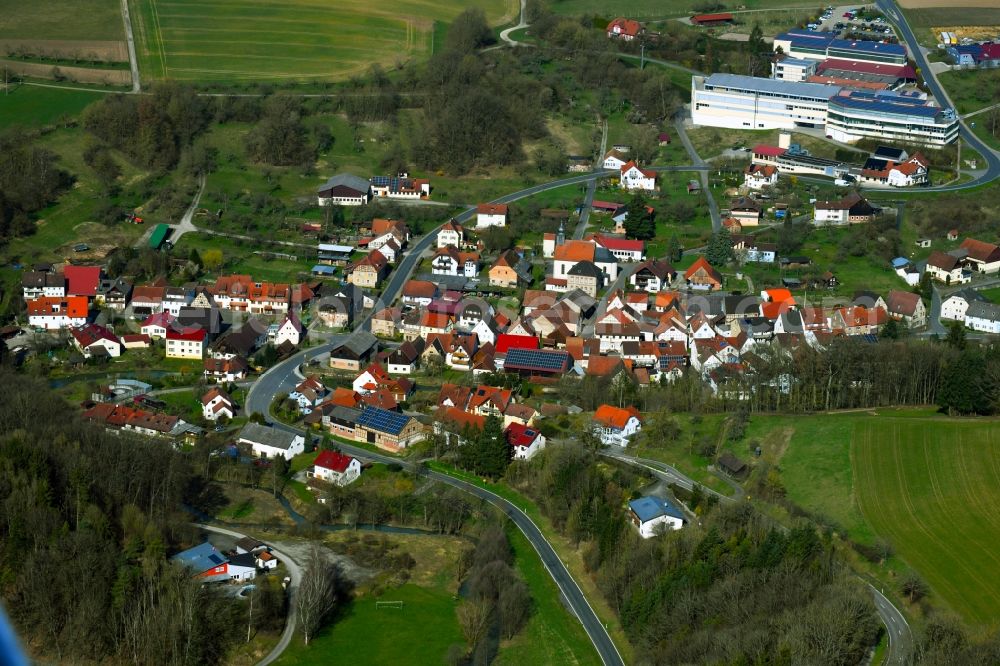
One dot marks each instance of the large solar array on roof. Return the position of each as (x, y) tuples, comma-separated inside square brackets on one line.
[(536, 358), (383, 420)]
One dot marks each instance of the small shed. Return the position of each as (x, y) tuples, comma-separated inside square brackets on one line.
[(731, 465), (693, 186)]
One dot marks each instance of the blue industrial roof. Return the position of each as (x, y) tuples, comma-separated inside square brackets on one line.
[(383, 420), (887, 104), (816, 40), (201, 558), (774, 86), (324, 270), (650, 507), (865, 46)]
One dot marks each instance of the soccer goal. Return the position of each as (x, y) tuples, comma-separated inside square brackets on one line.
[(389, 604)]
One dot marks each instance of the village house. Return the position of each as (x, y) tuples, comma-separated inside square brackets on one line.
[(702, 276), (746, 211), (187, 343), (759, 176), (51, 313), (451, 233), (375, 378), (955, 306), (242, 341), (290, 330), (225, 370), (419, 292), (270, 442), (82, 280), (614, 160), (509, 270), (217, 404), (571, 252), (947, 268), (354, 352), (983, 317), (491, 215), (175, 298), (388, 430), (369, 271), (907, 307), (136, 341), (902, 171), (36, 284), (405, 359), (450, 261), (982, 257), (383, 322), (207, 563), (614, 425), (852, 209), (623, 249), (400, 186), (585, 276), (308, 393), (652, 276), (624, 29), (156, 325), (653, 516), (344, 189), (525, 442), (113, 294), (631, 177), (94, 340), (336, 468)]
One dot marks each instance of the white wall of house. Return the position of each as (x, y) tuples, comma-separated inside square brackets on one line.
[(982, 324), (348, 476), (659, 525), (527, 453), (263, 450), (617, 437), (954, 308)]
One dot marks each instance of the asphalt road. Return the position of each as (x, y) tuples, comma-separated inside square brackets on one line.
[(572, 594), (295, 573), (896, 16), (702, 167)]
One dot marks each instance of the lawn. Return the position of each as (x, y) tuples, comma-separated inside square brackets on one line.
[(971, 89), (33, 106), (552, 635), (83, 20), (418, 633), (932, 489), (239, 256), (297, 40), (711, 141), (992, 295)]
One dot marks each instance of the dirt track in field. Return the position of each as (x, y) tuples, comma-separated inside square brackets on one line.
[(107, 51), (77, 74)]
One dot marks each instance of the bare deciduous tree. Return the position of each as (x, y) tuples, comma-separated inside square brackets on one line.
[(317, 594), (474, 617)]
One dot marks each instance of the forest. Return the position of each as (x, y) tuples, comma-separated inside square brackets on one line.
[(88, 520)]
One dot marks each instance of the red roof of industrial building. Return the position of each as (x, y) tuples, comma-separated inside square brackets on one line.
[(863, 67), (711, 18), (770, 151), (622, 244)]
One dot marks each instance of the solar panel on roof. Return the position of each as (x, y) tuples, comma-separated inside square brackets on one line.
[(538, 359), (380, 180), (383, 420)]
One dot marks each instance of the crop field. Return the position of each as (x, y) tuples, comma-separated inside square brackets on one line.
[(97, 20), (295, 40), (932, 489)]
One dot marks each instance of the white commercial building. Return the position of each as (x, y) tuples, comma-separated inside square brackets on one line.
[(749, 102), (900, 117)]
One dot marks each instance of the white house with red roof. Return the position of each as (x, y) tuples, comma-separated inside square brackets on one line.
[(157, 325), (634, 178), (55, 313), (623, 249), (217, 404), (336, 468), (491, 215), (451, 233), (188, 343), (624, 29), (615, 425), (90, 337), (525, 441), (759, 176)]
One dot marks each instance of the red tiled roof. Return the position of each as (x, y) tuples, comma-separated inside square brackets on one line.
[(491, 209), (711, 18), (621, 244), (625, 26), (90, 333), (769, 151), (148, 293), (82, 280), (195, 334), (463, 419), (702, 264), (981, 250), (615, 417), (521, 435), (333, 460), (71, 306), (575, 250), (419, 289)]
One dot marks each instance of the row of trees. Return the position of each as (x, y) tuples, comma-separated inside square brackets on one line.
[(30, 180)]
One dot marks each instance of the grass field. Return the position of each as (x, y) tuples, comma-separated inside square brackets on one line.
[(61, 19), (924, 20), (932, 489), (33, 106), (418, 633), (297, 40), (972, 90)]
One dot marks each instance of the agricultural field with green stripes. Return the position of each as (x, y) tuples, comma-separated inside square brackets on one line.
[(290, 40), (932, 490)]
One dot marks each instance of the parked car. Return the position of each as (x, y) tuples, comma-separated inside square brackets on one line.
[(81, 247)]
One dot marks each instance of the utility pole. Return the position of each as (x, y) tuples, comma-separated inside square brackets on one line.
[(250, 621)]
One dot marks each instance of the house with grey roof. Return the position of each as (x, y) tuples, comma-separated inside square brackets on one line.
[(356, 351), (984, 317), (954, 307), (270, 442)]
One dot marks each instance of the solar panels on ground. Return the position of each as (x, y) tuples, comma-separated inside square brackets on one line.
[(383, 420)]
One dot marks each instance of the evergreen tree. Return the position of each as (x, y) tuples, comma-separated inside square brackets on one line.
[(673, 248), (639, 224), (956, 335), (719, 250), (964, 389), (494, 449)]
